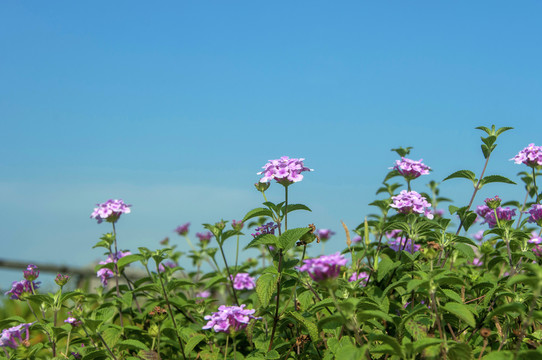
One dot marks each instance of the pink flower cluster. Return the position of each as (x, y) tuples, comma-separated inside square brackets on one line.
[(363, 276), (530, 156), (110, 211), (535, 213), (9, 336), (325, 234), (105, 273), (284, 170), (324, 267), (26, 286), (204, 237), (402, 243), (182, 229), (268, 228), (489, 215), (243, 281), (411, 169), (229, 318), (408, 202)]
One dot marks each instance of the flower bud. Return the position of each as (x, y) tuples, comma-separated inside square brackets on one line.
[(220, 225), (31, 273), (262, 187), (61, 280), (493, 203), (237, 225)]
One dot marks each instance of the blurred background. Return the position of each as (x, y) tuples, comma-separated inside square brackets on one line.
[(175, 106)]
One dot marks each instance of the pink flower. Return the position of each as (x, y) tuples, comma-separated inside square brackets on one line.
[(243, 281), (535, 213), (530, 156), (229, 318), (9, 336), (398, 244), (411, 169), (535, 238), (324, 267), (363, 276), (408, 202), (325, 234), (105, 274), (110, 211), (284, 170), (204, 237), (182, 229)]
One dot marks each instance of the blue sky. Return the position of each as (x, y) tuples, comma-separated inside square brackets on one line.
[(174, 107)]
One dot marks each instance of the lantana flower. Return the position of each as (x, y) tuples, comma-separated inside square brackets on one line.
[(19, 288), (243, 281), (411, 169), (229, 318), (535, 213), (268, 228), (10, 336), (182, 229), (284, 170), (530, 156), (401, 243), (110, 211), (324, 267), (325, 234), (362, 275), (105, 274), (408, 202), (535, 238), (489, 214), (31, 273)]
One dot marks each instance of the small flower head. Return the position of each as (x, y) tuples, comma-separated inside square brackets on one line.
[(285, 171), (105, 274), (324, 267), (489, 214), (408, 202), (402, 243), (21, 288), (182, 229), (243, 281), (356, 239), (393, 234), (262, 187), (61, 280), (110, 211), (530, 156), (535, 213), (479, 235), (477, 262), (237, 225), (13, 336), (537, 250), (203, 294), (72, 321), (204, 237), (31, 273), (268, 228), (411, 169), (535, 238), (493, 203), (168, 263), (363, 276), (229, 319), (325, 234)]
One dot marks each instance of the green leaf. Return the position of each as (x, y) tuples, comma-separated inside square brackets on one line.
[(350, 352), (194, 340), (99, 354), (499, 355), (371, 314), (423, 343), (388, 340), (391, 174), (288, 239), (450, 294), (265, 287), (466, 174), (385, 266), (460, 351), (123, 261), (496, 179), (461, 311), (294, 207), (111, 336), (265, 239), (272, 355), (508, 309), (133, 344), (311, 327), (258, 212), (503, 129), (466, 250)]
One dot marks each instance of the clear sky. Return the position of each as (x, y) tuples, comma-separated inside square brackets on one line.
[(174, 106)]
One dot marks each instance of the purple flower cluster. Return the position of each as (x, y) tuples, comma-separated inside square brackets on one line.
[(182, 229), (229, 318), (204, 237), (535, 213), (479, 235), (537, 250), (243, 281), (72, 321), (411, 169), (408, 202), (268, 228), (31, 273), (530, 156), (489, 215), (324, 267), (168, 263), (477, 262), (9, 336), (284, 170), (110, 211), (19, 288), (325, 234), (203, 294), (399, 244), (237, 225), (535, 238), (105, 273), (363, 276), (61, 280)]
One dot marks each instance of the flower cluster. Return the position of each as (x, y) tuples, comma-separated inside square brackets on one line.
[(9, 336), (284, 170), (105, 274), (237, 225), (408, 202), (530, 156), (204, 237), (535, 213), (537, 250), (402, 243), (325, 234), (411, 169), (31, 273), (19, 288), (243, 281), (229, 318), (61, 280), (493, 203), (72, 321), (489, 215), (535, 238), (110, 211), (363, 276), (268, 228), (168, 263), (324, 267), (182, 229), (479, 235)]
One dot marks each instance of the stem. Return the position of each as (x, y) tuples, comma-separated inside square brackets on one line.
[(114, 258), (226, 348), (234, 347), (346, 322), (68, 342), (285, 208), (229, 274), (535, 187), (408, 184), (106, 346), (522, 209), (276, 317), (170, 311), (236, 254)]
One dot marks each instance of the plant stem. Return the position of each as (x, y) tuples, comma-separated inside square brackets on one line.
[(276, 317), (68, 342), (535, 187), (285, 208), (229, 274), (236, 254), (114, 258), (226, 348)]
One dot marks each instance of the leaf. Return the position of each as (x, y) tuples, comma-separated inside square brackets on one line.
[(423, 343), (265, 239), (257, 212), (496, 179), (265, 287), (499, 355), (385, 266), (371, 314), (450, 294), (194, 340), (111, 336), (460, 351), (99, 354), (388, 340), (350, 352), (288, 239), (466, 250), (123, 261), (133, 344), (391, 174), (311, 327), (461, 311), (466, 174), (294, 207), (508, 309)]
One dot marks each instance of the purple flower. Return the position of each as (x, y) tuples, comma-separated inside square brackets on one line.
[(398, 244), (393, 234), (183, 229), (477, 262), (110, 211), (324, 267), (363, 276), (170, 264), (229, 318), (535, 213), (268, 228), (14, 333), (537, 250), (61, 280), (356, 239), (19, 288), (237, 225), (243, 281), (204, 237), (489, 215), (411, 169), (479, 235), (31, 273), (325, 234), (105, 274), (530, 156), (535, 238), (72, 321), (203, 294), (408, 202), (284, 170), (493, 203)]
